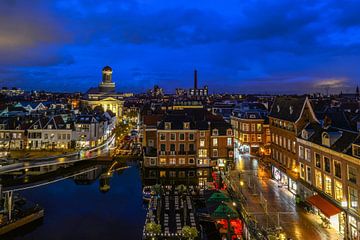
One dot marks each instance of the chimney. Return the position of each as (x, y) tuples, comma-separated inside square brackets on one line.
[(195, 79)]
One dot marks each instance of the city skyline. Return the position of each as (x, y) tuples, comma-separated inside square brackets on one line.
[(255, 46)]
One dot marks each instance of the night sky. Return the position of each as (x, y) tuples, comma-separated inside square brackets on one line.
[(237, 45)]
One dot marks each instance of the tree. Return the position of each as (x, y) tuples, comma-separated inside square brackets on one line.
[(153, 228), (189, 233)]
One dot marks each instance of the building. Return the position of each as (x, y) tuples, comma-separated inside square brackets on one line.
[(287, 117), (251, 129), (185, 139), (50, 133), (105, 95), (197, 93), (12, 133), (329, 169)]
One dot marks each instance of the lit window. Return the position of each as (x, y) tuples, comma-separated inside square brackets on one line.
[(202, 152), (215, 142), (172, 137), (162, 137), (229, 141), (328, 187), (215, 153), (318, 179), (215, 132), (202, 142), (338, 191), (162, 161), (353, 198)]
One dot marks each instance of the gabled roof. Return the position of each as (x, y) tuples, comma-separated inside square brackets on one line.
[(290, 108)]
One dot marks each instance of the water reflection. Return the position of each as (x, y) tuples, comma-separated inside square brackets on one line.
[(77, 208)]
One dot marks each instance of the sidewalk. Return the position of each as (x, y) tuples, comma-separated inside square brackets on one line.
[(271, 205)]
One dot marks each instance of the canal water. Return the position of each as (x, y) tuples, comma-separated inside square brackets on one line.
[(77, 209)]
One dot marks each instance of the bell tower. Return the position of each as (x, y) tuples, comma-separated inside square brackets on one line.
[(107, 85)]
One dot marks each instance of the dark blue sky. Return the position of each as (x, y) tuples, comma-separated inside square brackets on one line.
[(237, 46)]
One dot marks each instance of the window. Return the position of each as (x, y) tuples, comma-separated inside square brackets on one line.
[(353, 198), (167, 126), (162, 137), (163, 147), (215, 132), (181, 136), (172, 161), (280, 140), (172, 147), (191, 147), (152, 161), (302, 170), (231, 154), (245, 137), (186, 125), (191, 136), (289, 144), (352, 172), (181, 160), (308, 174), (276, 139), (253, 137), (162, 173), (191, 161), (318, 179), (229, 141), (325, 139), (162, 161), (202, 142), (229, 132), (215, 153), (307, 154), (356, 149), (337, 169), (317, 160), (294, 146), (151, 143), (259, 138), (49, 126), (182, 148), (301, 152), (172, 136), (45, 136), (215, 142), (246, 127), (328, 187), (181, 174), (327, 166), (202, 133), (338, 191), (258, 127), (253, 127), (172, 174), (202, 152)]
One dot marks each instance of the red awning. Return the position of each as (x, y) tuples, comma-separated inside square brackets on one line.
[(326, 207)]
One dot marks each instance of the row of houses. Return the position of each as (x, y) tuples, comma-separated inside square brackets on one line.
[(316, 156), (59, 131)]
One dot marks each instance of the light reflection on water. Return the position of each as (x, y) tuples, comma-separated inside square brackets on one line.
[(77, 209)]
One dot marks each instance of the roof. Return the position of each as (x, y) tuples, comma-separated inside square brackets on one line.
[(287, 108)]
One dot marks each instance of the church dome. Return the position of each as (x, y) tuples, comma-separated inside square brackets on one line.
[(107, 68)]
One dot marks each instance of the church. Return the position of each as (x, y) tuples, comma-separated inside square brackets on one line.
[(105, 95)]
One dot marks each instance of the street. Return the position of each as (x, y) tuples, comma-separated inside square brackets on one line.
[(263, 194)]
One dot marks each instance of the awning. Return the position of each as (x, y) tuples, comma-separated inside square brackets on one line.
[(326, 207)]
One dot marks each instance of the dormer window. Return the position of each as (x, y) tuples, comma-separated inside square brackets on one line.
[(215, 132), (35, 127), (229, 132), (325, 139), (278, 108), (356, 150), (252, 116), (186, 125), (167, 126), (305, 134), (67, 126), (291, 110), (49, 126)]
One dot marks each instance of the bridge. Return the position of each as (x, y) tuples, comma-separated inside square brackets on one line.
[(83, 155)]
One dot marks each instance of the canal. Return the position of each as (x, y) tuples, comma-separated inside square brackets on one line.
[(79, 208)]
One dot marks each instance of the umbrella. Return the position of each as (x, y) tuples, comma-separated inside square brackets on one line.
[(218, 197), (223, 211)]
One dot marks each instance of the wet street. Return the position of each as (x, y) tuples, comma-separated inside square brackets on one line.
[(80, 208), (264, 194)]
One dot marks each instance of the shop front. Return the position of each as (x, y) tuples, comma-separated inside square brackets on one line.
[(283, 179), (330, 214)]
